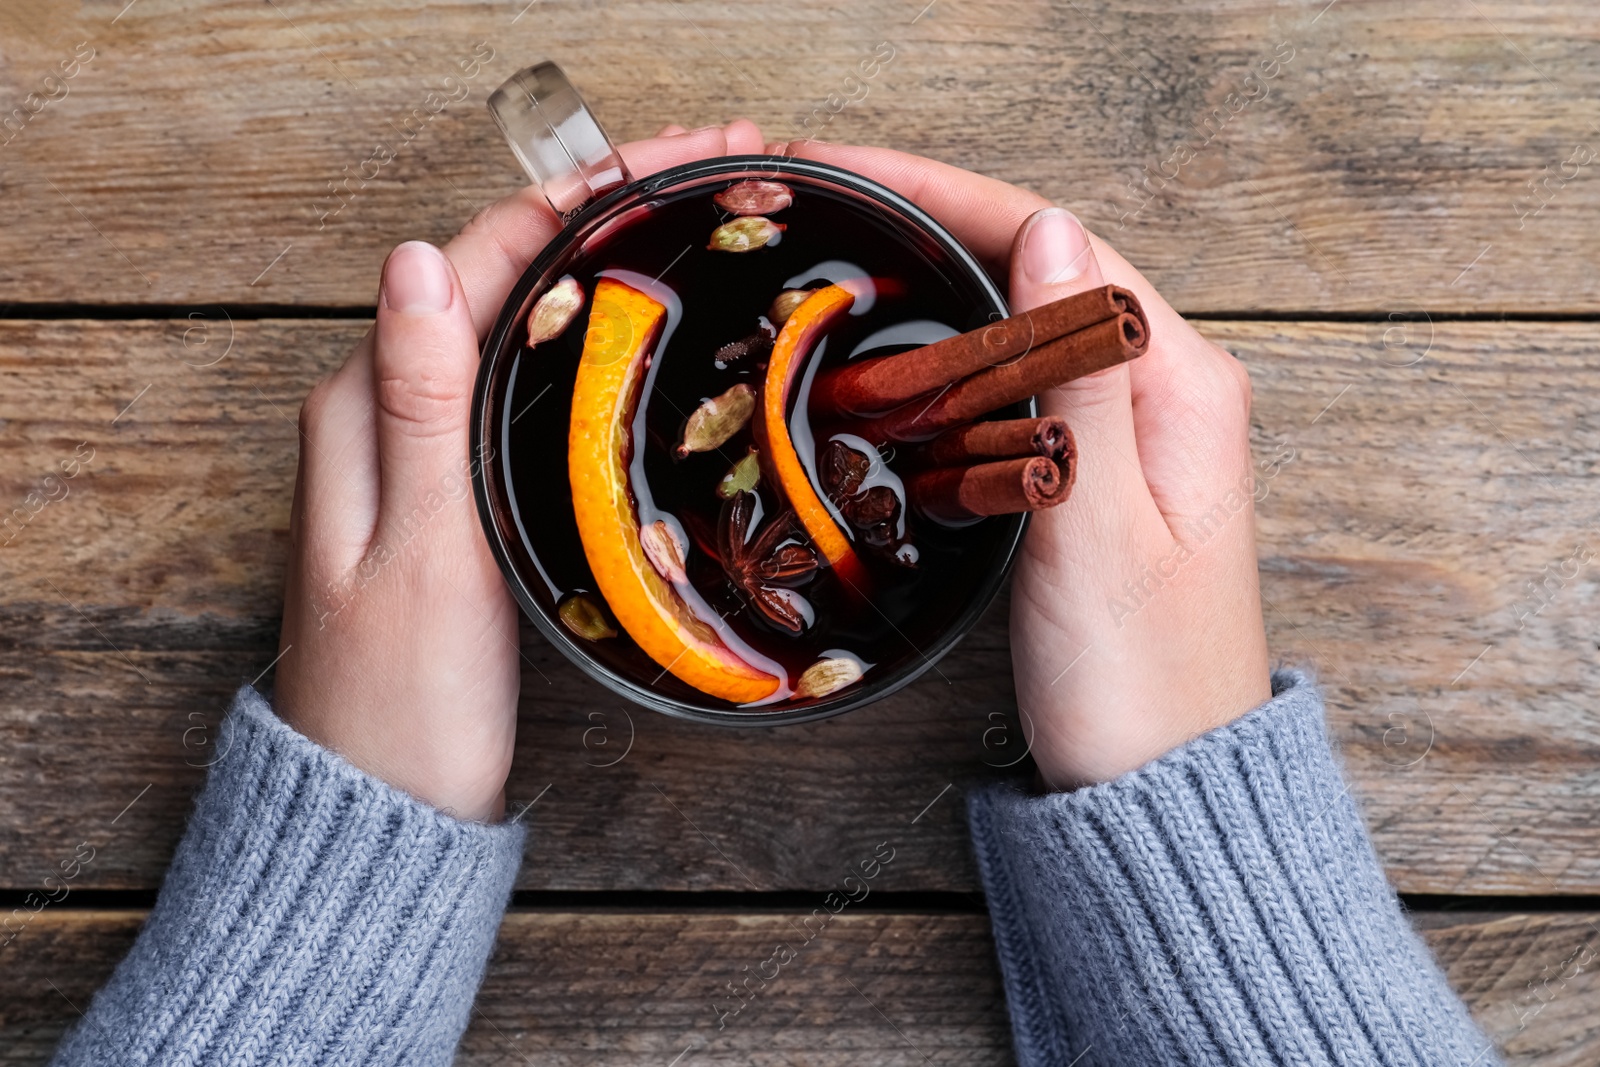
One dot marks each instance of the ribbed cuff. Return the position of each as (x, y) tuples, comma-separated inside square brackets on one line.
[(312, 915), (1221, 905)]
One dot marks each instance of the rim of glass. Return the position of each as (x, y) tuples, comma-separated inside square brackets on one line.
[(495, 350)]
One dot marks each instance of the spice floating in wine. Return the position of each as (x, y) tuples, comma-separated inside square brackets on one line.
[(1000, 487), (754, 198), (717, 420), (1047, 436), (872, 386), (784, 305), (555, 311), (745, 234), (741, 539), (742, 477), (1040, 365), (580, 614), (829, 675), (768, 567)]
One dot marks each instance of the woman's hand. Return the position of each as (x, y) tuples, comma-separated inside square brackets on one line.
[(1136, 612), (399, 648)]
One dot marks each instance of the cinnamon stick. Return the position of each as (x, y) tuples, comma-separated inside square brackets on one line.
[(1047, 436), (957, 494), (872, 386), (1095, 348)]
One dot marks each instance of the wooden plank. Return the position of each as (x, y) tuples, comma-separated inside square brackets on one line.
[(1399, 545), (1530, 980), (626, 800), (635, 989), (638, 988), (1404, 519), (190, 160)]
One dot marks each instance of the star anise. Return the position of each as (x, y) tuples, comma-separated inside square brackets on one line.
[(873, 511), (872, 507), (843, 469), (766, 568)]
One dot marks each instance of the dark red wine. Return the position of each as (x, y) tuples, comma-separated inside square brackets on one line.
[(918, 576)]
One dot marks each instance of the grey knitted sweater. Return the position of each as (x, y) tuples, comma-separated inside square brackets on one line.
[(1219, 906)]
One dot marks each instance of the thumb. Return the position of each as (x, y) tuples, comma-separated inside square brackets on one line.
[(424, 362), (1052, 258)]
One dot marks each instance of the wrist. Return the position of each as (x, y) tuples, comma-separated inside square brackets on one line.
[(1074, 750), (408, 748)]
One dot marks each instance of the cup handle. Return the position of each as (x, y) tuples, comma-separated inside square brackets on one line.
[(556, 138)]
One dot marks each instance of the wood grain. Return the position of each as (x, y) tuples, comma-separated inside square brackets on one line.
[(1399, 544), (624, 988), (189, 162), (1406, 509), (1529, 980)]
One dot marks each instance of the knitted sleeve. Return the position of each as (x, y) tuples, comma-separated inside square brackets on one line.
[(312, 915), (1221, 905)]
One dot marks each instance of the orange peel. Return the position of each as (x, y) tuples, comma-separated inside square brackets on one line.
[(623, 326), (799, 334)]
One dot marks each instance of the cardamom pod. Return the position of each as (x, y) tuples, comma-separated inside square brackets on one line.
[(755, 198), (583, 617), (664, 549), (745, 235), (784, 304), (828, 675), (718, 419), (742, 477), (555, 311)]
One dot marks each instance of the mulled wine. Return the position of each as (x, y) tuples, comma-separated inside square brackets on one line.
[(687, 516)]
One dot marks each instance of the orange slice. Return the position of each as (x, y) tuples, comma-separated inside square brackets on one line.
[(623, 326), (800, 332)]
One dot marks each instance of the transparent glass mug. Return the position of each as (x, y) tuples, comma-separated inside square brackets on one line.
[(520, 474)]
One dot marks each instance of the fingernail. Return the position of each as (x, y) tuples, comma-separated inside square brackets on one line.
[(1055, 247), (416, 280)]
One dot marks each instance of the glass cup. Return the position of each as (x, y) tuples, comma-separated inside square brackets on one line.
[(519, 427)]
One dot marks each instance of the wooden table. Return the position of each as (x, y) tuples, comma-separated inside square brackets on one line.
[(1362, 232)]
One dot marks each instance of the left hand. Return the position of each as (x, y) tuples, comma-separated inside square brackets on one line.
[(399, 643)]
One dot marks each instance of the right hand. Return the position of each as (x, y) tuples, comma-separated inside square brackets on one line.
[(1111, 679)]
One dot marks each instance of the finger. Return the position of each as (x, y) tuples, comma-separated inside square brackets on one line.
[(982, 213), (659, 153), (424, 360), (671, 129), (1052, 259), (336, 490), (491, 252), (1191, 408), (743, 137)]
